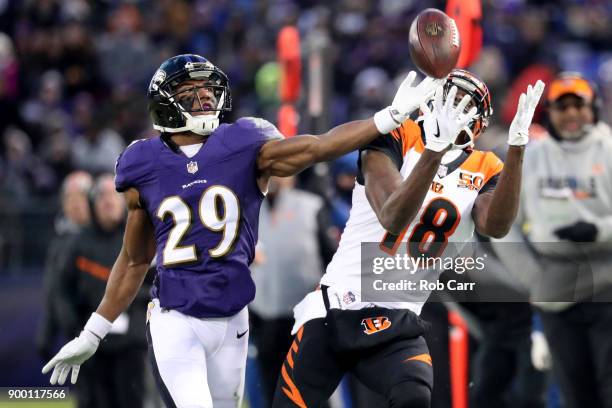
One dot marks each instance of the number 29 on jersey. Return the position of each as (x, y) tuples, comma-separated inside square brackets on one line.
[(225, 222)]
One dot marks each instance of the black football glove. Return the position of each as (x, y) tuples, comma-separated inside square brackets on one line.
[(578, 232)]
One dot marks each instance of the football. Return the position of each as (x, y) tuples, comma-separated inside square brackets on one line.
[(434, 43)]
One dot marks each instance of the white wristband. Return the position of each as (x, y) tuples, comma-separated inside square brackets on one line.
[(98, 325), (518, 138), (386, 121)]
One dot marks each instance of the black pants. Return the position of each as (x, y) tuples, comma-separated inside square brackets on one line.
[(580, 340), (501, 368), (272, 338), (112, 380), (498, 366), (400, 371)]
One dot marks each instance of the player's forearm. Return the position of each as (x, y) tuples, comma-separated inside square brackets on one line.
[(504, 204), (402, 205), (290, 156), (122, 287), (344, 139)]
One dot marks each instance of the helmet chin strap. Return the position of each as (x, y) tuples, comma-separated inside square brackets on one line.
[(204, 124)]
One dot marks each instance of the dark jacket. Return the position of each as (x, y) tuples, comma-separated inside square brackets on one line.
[(55, 260), (82, 284)]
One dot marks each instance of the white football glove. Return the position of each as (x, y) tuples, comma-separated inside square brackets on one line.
[(76, 351), (518, 135), (407, 99), (443, 125), (540, 353)]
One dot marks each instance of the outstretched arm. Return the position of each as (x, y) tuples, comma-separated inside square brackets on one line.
[(494, 212), (290, 156), (132, 263)]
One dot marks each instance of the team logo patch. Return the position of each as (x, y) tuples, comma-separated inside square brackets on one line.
[(471, 181), (348, 297), (373, 325), (442, 171), (192, 167), (434, 29), (158, 78)]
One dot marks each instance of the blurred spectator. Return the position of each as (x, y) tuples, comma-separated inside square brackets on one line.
[(74, 216), (96, 147), (9, 85), (287, 266), (124, 51), (370, 90), (45, 111), (55, 151), (23, 173), (343, 171), (79, 64), (8, 69), (114, 376), (566, 217)]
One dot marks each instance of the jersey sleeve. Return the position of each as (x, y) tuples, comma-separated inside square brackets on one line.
[(387, 144), (395, 145), (492, 167), (133, 167)]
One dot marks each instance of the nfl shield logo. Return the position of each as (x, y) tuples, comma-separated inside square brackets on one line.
[(192, 167), (348, 297), (442, 171)]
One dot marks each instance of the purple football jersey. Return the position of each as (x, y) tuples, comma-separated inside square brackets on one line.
[(205, 212)]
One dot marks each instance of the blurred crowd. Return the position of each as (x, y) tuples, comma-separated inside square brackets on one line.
[(74, 74)]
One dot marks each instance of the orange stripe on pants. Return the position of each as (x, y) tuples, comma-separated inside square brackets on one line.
[(292, 393)]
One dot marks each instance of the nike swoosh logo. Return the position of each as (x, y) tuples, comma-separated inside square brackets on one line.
[(437, 134), (239, 335)]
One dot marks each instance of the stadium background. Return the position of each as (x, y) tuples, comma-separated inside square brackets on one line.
[(73, 78)]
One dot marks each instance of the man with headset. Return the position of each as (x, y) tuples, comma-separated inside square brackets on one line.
[(566, 217)]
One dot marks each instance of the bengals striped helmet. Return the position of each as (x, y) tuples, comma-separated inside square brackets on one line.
[(481, 98)]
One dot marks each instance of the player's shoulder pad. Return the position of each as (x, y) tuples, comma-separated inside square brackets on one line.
[(409, 135), (133, 166), (250, 133), (267, 131), (483, 162)]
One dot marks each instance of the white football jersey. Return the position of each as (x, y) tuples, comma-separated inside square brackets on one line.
[(445, 216)]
